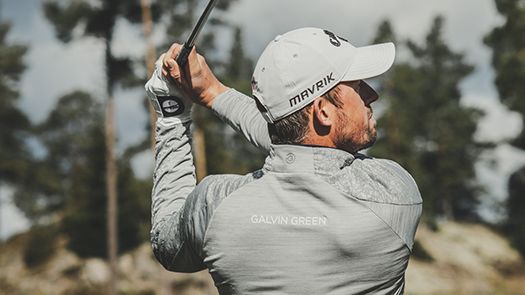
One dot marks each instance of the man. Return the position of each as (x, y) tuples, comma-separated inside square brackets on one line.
[(318, 218)]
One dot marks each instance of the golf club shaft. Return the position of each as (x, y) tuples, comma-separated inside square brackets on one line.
[(182, 58)]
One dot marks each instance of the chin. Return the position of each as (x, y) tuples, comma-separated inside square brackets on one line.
[(347, 144)]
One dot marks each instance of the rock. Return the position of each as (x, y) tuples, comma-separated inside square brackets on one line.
[(95, 272), (467, 258)]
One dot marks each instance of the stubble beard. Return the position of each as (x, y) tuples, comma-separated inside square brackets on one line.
[(354, 141)]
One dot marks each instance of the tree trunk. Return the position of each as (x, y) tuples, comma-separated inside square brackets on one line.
[(200, 153), (150, 60), (151, 55), (1, 207), (111, 191), (111, 173)]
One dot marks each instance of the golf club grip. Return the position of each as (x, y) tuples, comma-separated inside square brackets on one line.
[(182, 58)]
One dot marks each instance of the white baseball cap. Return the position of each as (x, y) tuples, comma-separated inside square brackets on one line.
[(301, 65)]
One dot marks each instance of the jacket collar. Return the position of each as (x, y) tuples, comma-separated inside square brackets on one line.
[(307, 159)]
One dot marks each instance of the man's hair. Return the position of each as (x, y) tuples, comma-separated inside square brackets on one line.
[(293, 128)]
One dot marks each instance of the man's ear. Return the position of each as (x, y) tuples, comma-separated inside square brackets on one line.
[(323, 112)]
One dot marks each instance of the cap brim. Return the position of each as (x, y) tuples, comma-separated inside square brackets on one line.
[(371, 61)]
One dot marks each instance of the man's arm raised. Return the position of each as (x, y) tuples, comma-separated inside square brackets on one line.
[(173, 178), (198, 83)]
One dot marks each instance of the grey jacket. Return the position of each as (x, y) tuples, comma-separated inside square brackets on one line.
[(311, 221)]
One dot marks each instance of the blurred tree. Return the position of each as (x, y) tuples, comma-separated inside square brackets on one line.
[(14, 155), (48, 185), (151, 56), (245, 157), (235, 154), (239, 66), (13, 122), (426, 129), (508, 59), (385, 33), (68, 185), (99, 19), (515, 223), (84, 220)]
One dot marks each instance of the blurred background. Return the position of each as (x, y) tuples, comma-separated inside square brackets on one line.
[(75, 140)]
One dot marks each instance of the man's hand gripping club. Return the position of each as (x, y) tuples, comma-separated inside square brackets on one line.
[(196, 81)]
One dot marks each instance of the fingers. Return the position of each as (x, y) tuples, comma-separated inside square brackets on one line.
[(169, 65), (174, 50), (191, 70), (196, 79), (164, 72), (193, 60)]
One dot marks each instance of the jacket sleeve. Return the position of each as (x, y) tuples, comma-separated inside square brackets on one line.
[(173, 182), (173, 178), (240, 112)]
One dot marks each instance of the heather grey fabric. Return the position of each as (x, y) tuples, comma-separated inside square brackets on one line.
[(311, 221)]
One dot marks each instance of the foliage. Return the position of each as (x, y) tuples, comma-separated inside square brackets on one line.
[(74, 174), (515, 224), (226, 150), (99, 20), (68, 184), (385, 33), (14, 125), (181, 16), (419, 252), (239, 66), (508, 58), (48, 185), (40, 245), (427, 130), (86, 18)]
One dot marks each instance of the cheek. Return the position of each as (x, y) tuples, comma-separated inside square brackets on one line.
[(363, 116), (354, 118), (358, 112)]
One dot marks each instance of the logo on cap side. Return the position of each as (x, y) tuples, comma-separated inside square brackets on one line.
[(334, 39), (316, 87)]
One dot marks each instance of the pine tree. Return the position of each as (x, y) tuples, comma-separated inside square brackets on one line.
[(239, 66), (15, 157), (515, 223), (245, 157), (13, 123), (385, 33), (427, 130), (47, 186), (227, 151), (67, 186), (99, 20), (508, 58)]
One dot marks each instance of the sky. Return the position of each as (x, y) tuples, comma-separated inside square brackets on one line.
[(54, 69)]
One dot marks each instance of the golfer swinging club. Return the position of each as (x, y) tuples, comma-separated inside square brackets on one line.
[(318, 218)]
